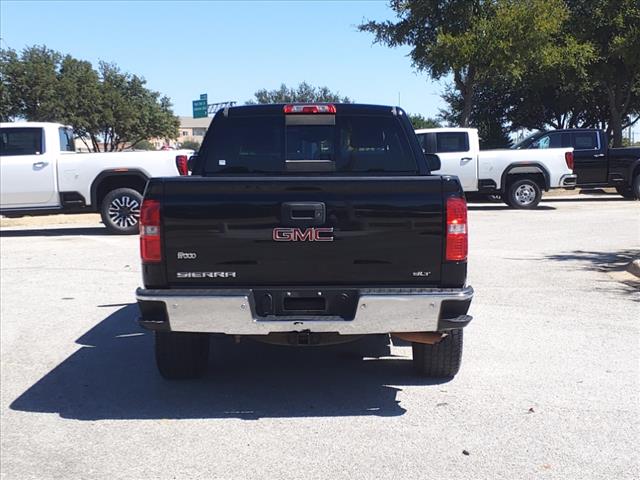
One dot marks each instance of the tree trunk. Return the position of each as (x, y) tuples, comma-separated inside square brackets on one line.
[(616, 130), (617, 110), (84, 140), (465, 85), (558, 122), (107, 139), (466, 112), (631, 123), (615, 118), (94, 142)]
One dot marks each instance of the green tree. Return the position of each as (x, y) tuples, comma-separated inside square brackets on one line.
[(131, 113), (303, 93), (549, 100), (601, 90), (190, 145), (9, 97), (107, 107), (477, 40), (488, 114), (612, 29), (30, 80), (145, 145), (418, 121), (5, 102), (599, 85), (79, 88)]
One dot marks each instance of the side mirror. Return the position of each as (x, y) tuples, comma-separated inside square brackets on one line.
[(190, 162), (433, 161)]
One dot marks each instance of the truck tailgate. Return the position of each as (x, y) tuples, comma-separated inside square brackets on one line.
[(297, 231)]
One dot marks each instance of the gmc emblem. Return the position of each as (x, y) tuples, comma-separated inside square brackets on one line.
[(311, 234)]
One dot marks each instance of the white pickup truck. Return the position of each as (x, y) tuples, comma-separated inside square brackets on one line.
[(518, 176), (41, 173)]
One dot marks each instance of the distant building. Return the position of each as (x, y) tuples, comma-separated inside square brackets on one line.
[(82, 146), (193, 129)]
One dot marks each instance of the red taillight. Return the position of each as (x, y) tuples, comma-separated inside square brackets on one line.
[(303, 108), (150, 244), (182, 164), (568, 157), (457, 234)]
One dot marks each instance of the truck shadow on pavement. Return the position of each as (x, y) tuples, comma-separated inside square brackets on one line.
[(113, 376), (606, 262), (54, 232), (602, 261)]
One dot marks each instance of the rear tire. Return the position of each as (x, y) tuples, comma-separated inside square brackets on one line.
[(440, 360), (120, 211), (523, 193), (631, 192), (182, 355)]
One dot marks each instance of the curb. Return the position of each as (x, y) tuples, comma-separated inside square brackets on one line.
[(634, 267)]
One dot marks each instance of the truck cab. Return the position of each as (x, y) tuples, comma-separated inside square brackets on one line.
[(42, 174), (29, 174), (458, 150), (595, 164), (589, 151), (518, 177)]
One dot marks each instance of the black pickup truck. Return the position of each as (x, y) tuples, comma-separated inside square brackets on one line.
[(595, 163), (306, 225)]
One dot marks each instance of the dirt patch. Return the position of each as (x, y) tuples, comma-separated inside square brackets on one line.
[(561, 192), (47, 220)]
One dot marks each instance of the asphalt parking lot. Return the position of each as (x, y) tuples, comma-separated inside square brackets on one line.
[(549, 386)]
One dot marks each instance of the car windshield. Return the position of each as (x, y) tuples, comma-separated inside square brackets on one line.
[(526, 142)]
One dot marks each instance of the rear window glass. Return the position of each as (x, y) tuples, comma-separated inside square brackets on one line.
[(20, 141), (66, 140), (266, 144), (585, 141), (452, 142), (552, 140), (310, 142), (244, 144)]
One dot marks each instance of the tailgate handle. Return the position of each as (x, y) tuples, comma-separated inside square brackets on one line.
[(308, 213)]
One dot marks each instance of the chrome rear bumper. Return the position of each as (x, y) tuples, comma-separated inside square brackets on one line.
[(569, 180), (233, 312)]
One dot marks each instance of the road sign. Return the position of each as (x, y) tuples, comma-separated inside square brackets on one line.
[(200, 108), (203, 96)]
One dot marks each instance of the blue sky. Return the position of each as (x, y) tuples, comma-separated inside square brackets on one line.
[(229, 49)]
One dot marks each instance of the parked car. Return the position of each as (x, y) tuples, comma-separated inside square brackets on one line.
[(306, 225), (519, 177), (595, 163), (40, 173)]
